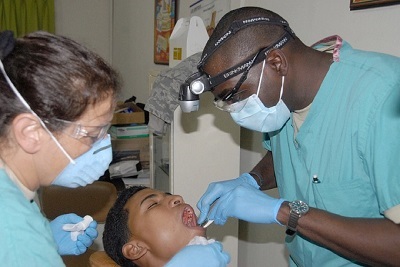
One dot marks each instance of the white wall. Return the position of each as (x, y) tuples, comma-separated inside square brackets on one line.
[(133, 45), (86, 21)]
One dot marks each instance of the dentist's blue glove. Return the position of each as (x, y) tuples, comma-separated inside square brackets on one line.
[(246, 203), (211, 255), (63, 238), (218, 189)]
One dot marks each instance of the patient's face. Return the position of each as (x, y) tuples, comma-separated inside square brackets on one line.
[(162, 221)]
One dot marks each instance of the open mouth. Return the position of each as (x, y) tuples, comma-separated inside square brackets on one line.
[(189, 218)]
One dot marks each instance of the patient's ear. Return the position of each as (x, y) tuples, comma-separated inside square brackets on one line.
[(27, 131), (134, 250)]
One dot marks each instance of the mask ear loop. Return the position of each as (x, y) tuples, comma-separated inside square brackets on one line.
[(261, 77), (30, 109), (283, 82)]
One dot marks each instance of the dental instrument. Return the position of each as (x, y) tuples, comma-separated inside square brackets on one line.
[(207, 223)]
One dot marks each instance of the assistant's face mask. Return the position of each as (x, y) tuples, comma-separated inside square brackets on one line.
[(86, 168), (254, 115)]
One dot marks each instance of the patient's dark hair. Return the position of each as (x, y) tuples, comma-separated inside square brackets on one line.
[(116, 232)]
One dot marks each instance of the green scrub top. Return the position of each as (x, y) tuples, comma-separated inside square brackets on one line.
[(350, 140), (25, 235)]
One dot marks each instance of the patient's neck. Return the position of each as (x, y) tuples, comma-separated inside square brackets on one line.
[(151, 261)]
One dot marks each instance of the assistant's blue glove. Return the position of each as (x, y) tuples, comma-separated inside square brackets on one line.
[(211, 255), (63, 238), (247, 204), (218, 189)]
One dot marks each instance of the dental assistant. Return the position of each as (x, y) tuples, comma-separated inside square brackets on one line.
[(331, 115), (56, 102)]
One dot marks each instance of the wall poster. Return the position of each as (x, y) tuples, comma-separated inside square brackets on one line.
[(164, 22)]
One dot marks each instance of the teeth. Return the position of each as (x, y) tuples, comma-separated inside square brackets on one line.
[(188, 218)]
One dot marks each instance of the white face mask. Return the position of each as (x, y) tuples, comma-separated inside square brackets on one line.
[(88, 167), (257, 117)]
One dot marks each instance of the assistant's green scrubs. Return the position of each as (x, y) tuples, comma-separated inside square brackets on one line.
[(25, 235)]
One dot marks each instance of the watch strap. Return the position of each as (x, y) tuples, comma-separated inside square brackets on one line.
[(294, 215), (292, 223)]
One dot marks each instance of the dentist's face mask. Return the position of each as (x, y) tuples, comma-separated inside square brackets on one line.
[(251, 113), (86, 168)]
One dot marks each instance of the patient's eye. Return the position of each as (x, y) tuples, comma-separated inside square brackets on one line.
[(152, 205)]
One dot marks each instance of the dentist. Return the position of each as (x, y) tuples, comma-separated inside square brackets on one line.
[(331, 118)]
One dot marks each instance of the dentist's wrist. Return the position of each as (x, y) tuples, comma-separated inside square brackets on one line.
[(258, 178), (249, 179)]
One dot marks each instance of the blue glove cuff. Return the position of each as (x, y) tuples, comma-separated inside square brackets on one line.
[(247, 178), (276, 209)]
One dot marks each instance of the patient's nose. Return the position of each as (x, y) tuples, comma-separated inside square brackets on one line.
[(176, 200)]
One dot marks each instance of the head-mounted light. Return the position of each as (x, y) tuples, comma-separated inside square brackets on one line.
[(201, 82)]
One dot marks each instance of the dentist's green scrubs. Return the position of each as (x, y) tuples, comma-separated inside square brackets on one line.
[(25, 236), (350, 139)]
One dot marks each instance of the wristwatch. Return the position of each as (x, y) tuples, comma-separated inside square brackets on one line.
[(297, 209)]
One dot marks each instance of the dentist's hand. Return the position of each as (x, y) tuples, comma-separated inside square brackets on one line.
[(63, 238), (211, 255), (218, 189), (246, 203)]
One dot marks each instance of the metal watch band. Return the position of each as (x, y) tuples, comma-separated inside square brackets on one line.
[(292, 223)]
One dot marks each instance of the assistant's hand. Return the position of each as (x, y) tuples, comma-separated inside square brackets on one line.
[(247, 204), (63, 238), (218, 189), (211, 255)]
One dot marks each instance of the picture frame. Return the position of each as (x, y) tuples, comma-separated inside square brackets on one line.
[(363, 4), (164, 21)]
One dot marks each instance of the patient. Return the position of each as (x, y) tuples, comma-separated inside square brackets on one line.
[(147, 227)]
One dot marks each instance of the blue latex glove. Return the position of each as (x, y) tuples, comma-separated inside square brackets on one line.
[(63, 238), (218, 189), (211, 255), (247, 204)]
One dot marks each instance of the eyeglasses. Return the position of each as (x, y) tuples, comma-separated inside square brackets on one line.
[(88, 135), (232, 101), (229, 102)]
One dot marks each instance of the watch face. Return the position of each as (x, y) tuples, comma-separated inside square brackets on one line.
[(299, 206)]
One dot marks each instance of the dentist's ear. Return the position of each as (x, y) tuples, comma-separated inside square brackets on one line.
[(278, 62), (134, 250), (27, 132)]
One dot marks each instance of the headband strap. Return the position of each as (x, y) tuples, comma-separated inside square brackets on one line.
[(238, 25)]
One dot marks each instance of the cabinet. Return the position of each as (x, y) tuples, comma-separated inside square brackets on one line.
[(198, 148)]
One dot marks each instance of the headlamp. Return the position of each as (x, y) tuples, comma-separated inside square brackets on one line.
[(190, 90), (201, 82)]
